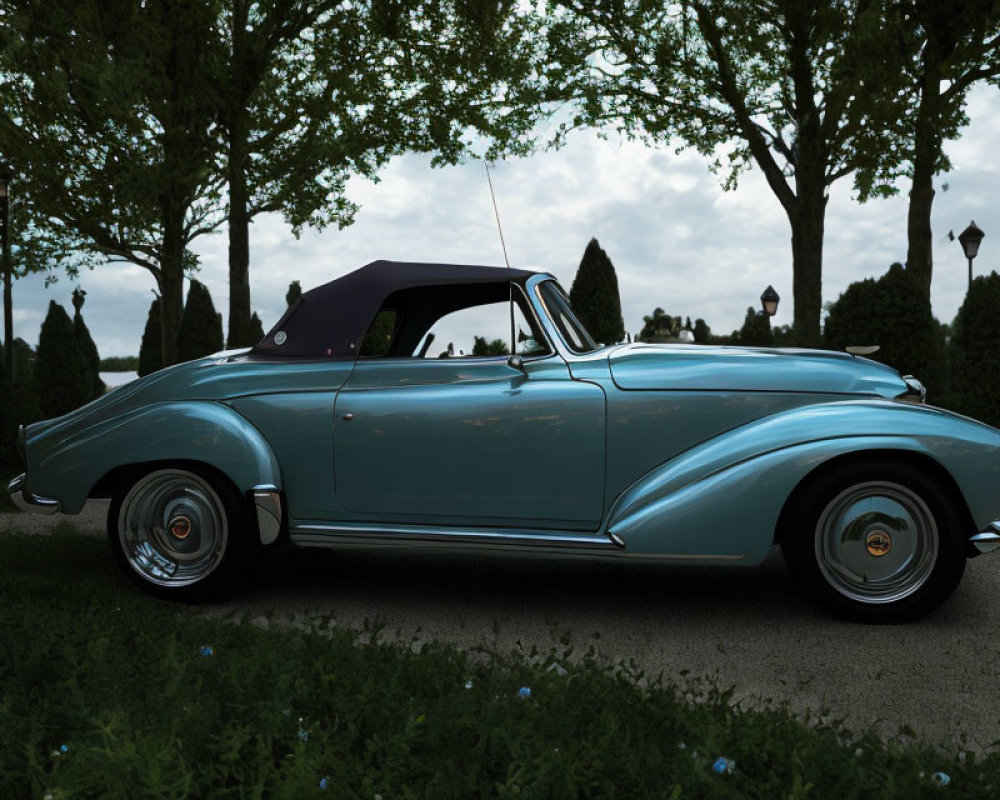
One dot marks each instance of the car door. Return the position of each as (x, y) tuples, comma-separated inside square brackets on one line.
[(469, 440)]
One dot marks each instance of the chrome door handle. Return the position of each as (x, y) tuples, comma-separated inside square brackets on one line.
[(348, 416)]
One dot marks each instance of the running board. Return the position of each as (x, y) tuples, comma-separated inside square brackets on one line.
[(362, 533)]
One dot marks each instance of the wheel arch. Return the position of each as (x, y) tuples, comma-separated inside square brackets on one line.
[(913, 458)]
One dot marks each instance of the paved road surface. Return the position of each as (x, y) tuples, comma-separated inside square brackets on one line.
[(748, 628)]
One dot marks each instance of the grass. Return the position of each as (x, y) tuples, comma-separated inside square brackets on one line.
[(105, 692)]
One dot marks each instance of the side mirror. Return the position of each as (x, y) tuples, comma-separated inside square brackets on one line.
[(514, 361)]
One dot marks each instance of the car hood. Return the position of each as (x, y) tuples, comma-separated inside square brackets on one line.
[(683, 367)]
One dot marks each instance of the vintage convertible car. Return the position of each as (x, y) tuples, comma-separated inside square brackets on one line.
[(345, 426)]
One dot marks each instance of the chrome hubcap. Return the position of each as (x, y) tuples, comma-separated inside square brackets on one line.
[(876, 542), (172, 528)]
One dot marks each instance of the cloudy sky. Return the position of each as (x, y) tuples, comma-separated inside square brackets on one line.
[(677, 240)]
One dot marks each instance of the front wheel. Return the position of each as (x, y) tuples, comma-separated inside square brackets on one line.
[(876, 542), (178, 533)]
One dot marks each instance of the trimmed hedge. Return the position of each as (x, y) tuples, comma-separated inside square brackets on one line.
[(895, 314)]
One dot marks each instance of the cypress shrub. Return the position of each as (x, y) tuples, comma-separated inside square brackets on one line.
[(756, 330), (594, 296), (200, 332), (88, 349), (256, 329), (895, 314), (293, 294), (150, 351), (702, 333), (62, 382), (975, 359)]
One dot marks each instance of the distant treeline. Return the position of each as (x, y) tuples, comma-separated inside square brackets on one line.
[(120, 364)]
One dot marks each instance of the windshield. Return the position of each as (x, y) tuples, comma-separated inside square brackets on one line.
[(570, 328)]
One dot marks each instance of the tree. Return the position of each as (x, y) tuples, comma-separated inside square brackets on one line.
[(256, 329), (594, 296), (756, 330), (150, 351), (975, 360), (482, 347), (36, 246), (8, 424), (109, 106), (312, 92), (88, 349), (200, 333), (789, 86), (61, 381), (659, 325), (702, 333), (893, 313), (294, 293), (942, 50)]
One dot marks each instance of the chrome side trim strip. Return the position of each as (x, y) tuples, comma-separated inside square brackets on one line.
[(28, 502), (267, 501), (987, 541), (411, 534)]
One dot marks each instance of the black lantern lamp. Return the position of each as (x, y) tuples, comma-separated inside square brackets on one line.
[(970, 239), (769, 301)]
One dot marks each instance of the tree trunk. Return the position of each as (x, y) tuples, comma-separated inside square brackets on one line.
[(807, 265), (239, 235), (807, 216), (171, 280), (926, 153)]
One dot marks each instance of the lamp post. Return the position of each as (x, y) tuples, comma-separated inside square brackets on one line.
[(6, 173), (970, 239), (769, 301)]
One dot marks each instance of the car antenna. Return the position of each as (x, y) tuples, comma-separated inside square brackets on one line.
[(496, 212)]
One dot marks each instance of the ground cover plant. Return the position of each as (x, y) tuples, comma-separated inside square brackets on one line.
[(105, 692)]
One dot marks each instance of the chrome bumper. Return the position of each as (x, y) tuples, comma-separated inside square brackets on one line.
[(988, 540), (26, 501)]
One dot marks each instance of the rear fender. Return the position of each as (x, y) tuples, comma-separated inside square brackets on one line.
[(189, 431)]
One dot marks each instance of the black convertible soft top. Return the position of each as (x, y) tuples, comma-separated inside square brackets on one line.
[(330, 320)]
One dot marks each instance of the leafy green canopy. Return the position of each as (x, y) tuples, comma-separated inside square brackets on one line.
[(794, 88)]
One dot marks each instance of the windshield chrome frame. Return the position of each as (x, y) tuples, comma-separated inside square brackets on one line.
[(533, 285)]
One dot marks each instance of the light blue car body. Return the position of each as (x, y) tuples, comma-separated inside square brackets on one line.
[(682, 452)]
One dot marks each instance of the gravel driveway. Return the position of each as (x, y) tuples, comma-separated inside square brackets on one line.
[(744, 627)]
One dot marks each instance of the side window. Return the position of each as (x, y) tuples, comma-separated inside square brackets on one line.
[(483, 330)]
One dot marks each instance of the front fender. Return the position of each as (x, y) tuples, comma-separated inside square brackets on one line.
[(722, 499), (67, 468)]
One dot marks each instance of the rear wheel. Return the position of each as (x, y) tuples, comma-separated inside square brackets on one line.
[(876, 542), (178, 533)]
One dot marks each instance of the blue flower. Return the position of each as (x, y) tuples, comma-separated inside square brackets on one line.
[(724, 766), (941, 778), (324, 782), (524, 692), (207, 650)]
